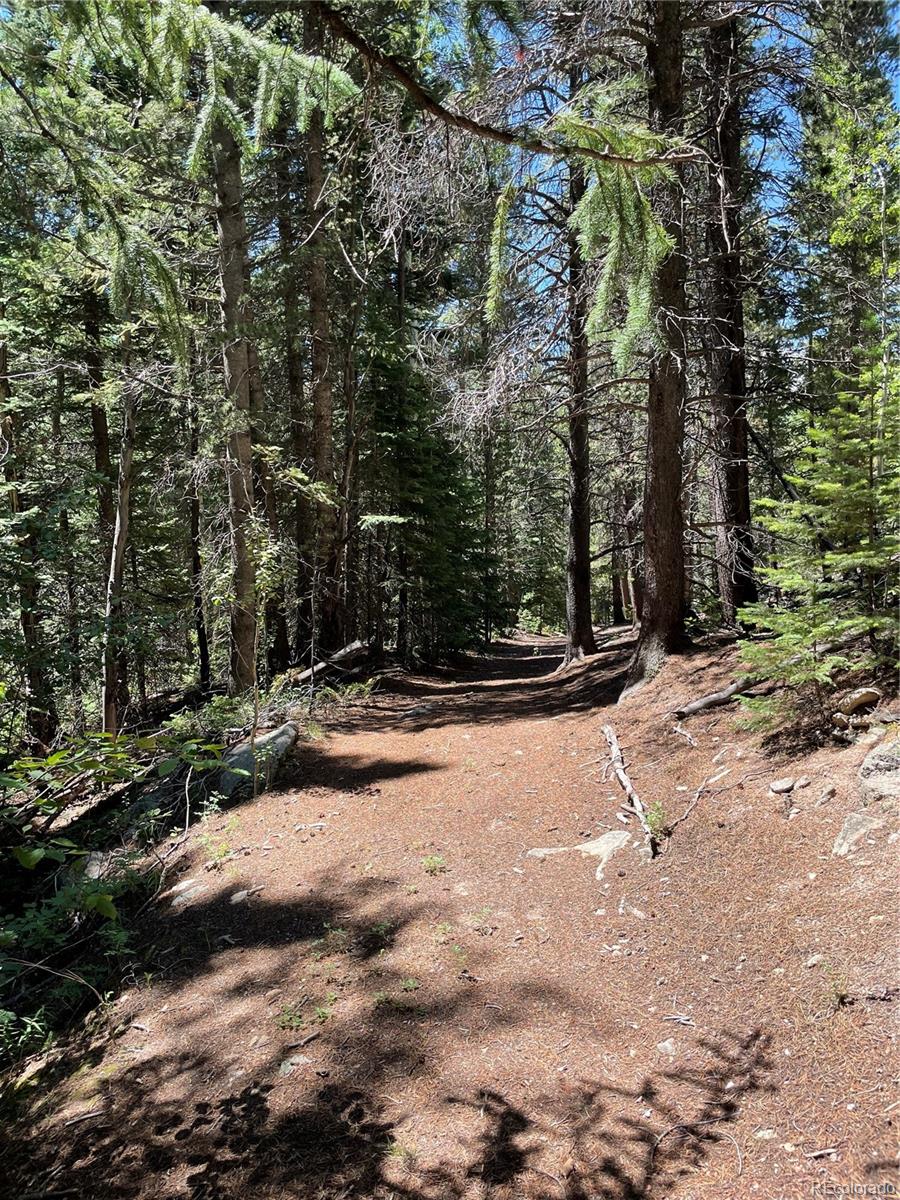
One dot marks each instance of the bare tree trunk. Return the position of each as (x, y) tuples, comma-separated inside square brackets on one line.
[(140, 659), (321, 364), (232, 238), (41, 720), (730, 479), (112, 619), (579, 619), (662, 622)]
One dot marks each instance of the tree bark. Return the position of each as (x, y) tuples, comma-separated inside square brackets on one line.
[(203, 666), (112, 619), (41, 720), (662, 622), (579, 620), (99, 421), (65, 539), (330, 633), (231, 228), (730, 477), (303, 518)]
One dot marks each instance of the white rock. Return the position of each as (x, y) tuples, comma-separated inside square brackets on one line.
[(815, 960), (667, 1047), (781, 786), (856, 827)]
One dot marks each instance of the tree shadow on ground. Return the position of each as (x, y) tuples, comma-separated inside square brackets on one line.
[(510, 684), (201, 1115)]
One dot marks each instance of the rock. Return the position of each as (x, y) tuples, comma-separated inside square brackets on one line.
[(266, 753), (856, 826), (840, 720), (667, 1047), (879, 775), (828, 794), (289, 1065), (803, 782), (781, 786), (862, 698), (602, 848), (183, 899), (815, 960)]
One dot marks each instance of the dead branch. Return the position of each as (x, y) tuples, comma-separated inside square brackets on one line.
[(695, 799), (635, 806)]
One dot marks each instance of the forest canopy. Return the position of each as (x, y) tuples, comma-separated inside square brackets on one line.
[(411, 323)]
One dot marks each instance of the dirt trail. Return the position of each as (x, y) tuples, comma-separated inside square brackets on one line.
[(407, 1004)]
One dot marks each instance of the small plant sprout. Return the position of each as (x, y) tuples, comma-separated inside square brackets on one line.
[(434, 864)]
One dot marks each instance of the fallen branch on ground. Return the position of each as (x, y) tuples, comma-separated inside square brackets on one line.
[(634, 802), (714, 699), (695, 799)]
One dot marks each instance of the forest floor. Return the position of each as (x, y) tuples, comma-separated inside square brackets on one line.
[(378, 992)]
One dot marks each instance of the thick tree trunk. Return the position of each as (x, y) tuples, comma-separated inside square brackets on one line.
[(73, 628), (730, 479), (112, 619), (303, 517), (579, 619), (662, 622), (41, 720), (232, 251), (203, 666), (330, 631)]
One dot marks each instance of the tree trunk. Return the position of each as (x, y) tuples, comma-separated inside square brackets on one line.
[(73, 629), (662, 622), (41, 720), (303, 518), (112, 620), (330, 633), (730, 478), (579, 620), (203, 669), (99, 422), (231, 228)]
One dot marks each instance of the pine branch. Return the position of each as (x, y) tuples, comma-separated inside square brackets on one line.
[(507, 137)]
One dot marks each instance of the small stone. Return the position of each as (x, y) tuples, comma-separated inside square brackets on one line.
[(289, 1065), (781, 786), (803, 782), (829, 794), (815, 960), (667, 1047), (855, 828), (840, 720), (764, 1135)]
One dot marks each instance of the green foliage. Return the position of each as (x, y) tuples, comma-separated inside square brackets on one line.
[(614, 219)]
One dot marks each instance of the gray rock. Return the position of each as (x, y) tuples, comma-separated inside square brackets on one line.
[(265, 754), (185, 898), (840, 720), (781, 786), (856, 827), (803, 782), (289, 1065), (602, 848), (879, 775), (815, 960), (667, 1047)]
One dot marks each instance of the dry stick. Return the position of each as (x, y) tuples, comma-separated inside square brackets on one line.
[(617, 763), (696, 797)]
